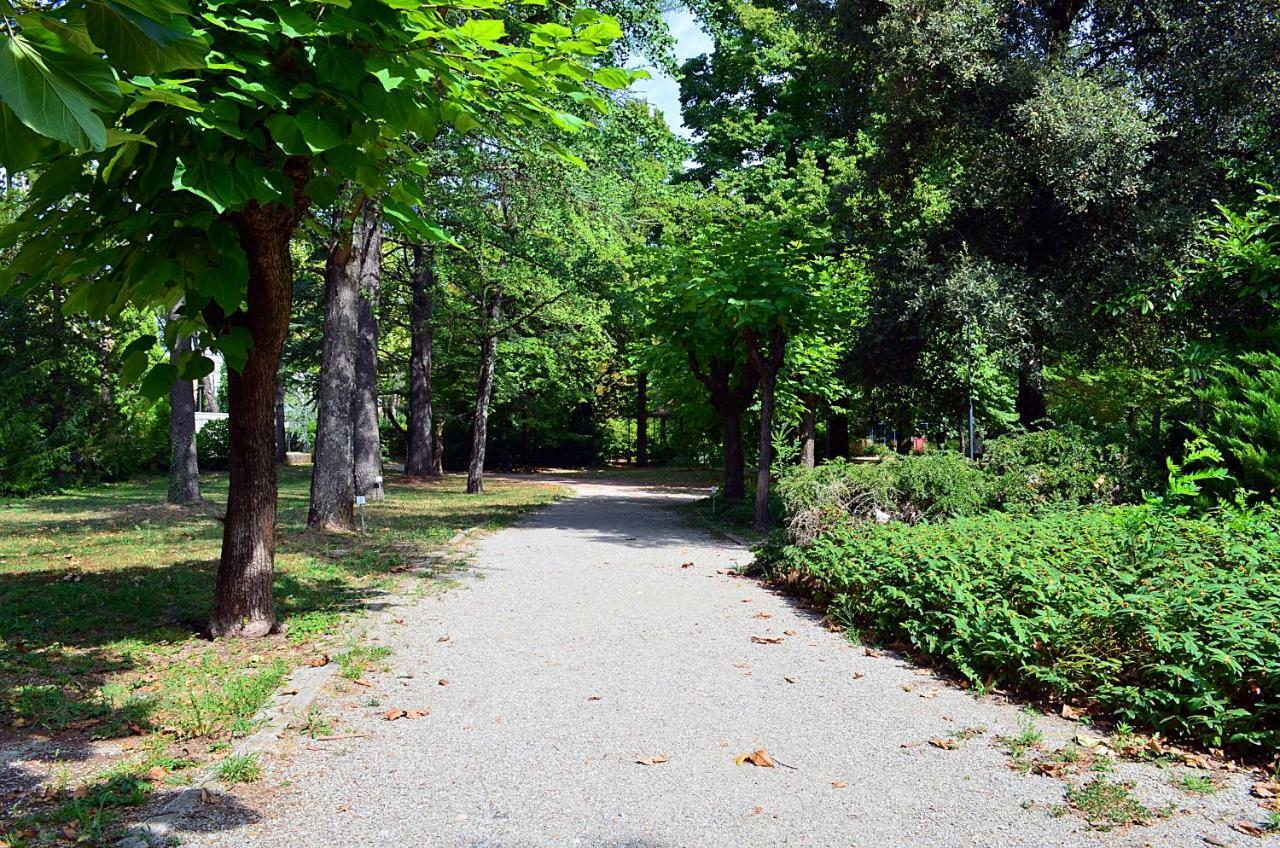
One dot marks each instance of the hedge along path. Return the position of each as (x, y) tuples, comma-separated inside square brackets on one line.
[(597, 682)]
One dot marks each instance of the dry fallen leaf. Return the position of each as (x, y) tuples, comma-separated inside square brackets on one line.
[(412, 714), (686, 565), (397, 621), (757, 811), (857, 675), (1250, 829), (932, 693), (741, 665), (653, 760), (759, 757), (593, 697), (763, 614), (444, 681), (1071, 712), (317, 662), (444, 638), (791, 679), (156, 773), (839, 784), (789, 632), (363, 681), (83, 791), (1267, 789), (944, 742), (393, 714), (871, 652), (766, 640)]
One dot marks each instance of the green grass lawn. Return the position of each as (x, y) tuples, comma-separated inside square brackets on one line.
[(104, 594)]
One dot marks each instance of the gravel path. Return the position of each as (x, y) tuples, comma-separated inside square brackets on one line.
[(579, 645)]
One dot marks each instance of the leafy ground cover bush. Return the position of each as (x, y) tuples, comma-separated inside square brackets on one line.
[(1160, 620), (1022, 472)]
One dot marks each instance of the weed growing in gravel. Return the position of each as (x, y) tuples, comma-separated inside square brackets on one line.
[(1197, 784), (240, 768), (1027, 738), (315, 725), (1107, 805), (359, 659)]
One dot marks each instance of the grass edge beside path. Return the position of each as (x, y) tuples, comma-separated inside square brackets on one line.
[(109, 691)]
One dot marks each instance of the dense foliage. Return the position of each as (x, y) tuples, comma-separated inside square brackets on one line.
[(1168, 622)]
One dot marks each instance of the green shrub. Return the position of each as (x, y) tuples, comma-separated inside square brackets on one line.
[(1165, 621), (1244, 419), (213, 446), (907, 488), (1053, 467)]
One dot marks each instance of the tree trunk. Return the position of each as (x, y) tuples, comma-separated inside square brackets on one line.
[(209, 392), (729, 399), (420, 458), (184, 469), (282, 446), (809, 432), (437, 448), (484, 392), (242, 597), (366, 441), (838, 436), (767, 364), (333, 466), (735, 473), (1031, 403), (642, 418)]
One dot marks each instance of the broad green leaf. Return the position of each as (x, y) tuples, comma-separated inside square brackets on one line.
[(56, 90), (612, 78), (234, 346), (138, 44), (483, 29), (211, 180), (19, 146), (319, 131), (158, 381)]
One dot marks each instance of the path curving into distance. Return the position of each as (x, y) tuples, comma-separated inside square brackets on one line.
[(578, 645)]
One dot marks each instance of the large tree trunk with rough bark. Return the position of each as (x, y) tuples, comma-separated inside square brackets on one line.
[(420, 454), (209, 393), (242, 598), (731, 385), (484, 391), (767, 361), (366, 441), (809, 432), (184, 468), (642, 418), (333, 465), (282, 446)]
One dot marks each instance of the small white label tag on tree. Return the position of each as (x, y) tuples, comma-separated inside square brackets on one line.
[(359, 500)]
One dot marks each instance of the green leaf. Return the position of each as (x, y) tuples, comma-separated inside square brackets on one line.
[(19, 146), (234, 346), (197, 367), (483, 29), (56, 90), (158, 381), (318, 131), (211, 180), (139, 44), (612, 78)]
